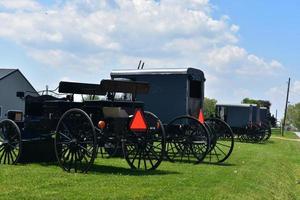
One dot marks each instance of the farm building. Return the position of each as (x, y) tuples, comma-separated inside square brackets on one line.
[(11, 82)]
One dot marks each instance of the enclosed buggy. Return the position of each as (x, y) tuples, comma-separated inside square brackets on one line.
[(177, 97), (248, 122)]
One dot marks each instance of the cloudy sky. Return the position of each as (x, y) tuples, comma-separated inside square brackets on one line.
[(245, 48)]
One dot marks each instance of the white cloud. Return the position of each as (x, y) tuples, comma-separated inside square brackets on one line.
[(76, 32), (91, 37), (20, 4)]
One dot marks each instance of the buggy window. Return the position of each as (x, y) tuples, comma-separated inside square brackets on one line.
[(195, 89), (123, 96)]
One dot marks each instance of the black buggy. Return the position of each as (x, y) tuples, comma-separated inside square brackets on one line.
[(75, 130), (177, 96), (250, 123)]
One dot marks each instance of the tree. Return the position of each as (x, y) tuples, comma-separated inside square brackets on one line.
[(261, 103), (293, 115), (209, 107), (91, 98)]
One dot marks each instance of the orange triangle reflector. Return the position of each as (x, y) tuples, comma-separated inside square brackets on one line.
[(201, 117), (138, 122)]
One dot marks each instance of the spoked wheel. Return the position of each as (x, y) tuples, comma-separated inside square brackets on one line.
[(254, 134), (75, 141), (173, 150), (10, 142), (268, 131), (188, 140), (145, 150), (222, 140)]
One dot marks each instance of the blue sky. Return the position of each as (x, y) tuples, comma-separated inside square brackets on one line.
[(245, 48)]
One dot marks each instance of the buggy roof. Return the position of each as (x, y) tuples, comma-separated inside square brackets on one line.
[(104, 87), (236, 105), (196, 74)]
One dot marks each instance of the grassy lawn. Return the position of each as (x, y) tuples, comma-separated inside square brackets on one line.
[(254, 171)]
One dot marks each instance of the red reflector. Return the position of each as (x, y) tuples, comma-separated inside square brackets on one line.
[(138, 122), (201, 117)]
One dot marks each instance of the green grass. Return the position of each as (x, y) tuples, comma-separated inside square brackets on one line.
[(287, 134), (254, 171)]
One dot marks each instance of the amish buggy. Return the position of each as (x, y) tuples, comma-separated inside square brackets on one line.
[(75, 130), (177, 97), (250, 123)]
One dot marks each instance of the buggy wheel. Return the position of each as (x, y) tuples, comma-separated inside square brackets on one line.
[(268, 131), (222, 140), (75, 141), (255, 134), (10, 142), (188, 140), (145, 150)]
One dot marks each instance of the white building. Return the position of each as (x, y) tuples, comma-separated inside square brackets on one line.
[(11, 82)]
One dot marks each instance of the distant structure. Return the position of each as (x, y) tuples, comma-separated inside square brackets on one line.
[(11, 82)]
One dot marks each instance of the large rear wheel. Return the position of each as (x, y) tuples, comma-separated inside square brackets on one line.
[(222, 140), (187, 140), (75, 141), (145, 150)]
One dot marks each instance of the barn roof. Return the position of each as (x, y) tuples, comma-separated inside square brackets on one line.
[(6, 72), (196, 73)]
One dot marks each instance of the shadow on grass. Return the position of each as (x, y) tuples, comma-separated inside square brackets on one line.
[(104, 169), (108, 169), (259, 143), (219, 164)]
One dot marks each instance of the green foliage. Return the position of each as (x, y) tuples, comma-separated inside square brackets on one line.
[(209, 107), (254, 171), (261, 103), (91, 98), (293, 115)]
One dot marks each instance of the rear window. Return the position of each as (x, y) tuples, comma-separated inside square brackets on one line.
[(195, 89)]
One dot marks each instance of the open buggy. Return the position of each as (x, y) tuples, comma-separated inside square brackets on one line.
[(177, 96), (71, 132), (250, 123)]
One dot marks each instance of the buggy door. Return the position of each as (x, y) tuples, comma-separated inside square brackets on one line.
[(195, 97)]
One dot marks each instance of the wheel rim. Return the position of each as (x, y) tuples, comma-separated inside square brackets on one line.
[(75, 141), (145, 150), (188, 140), (10, 142), (222, 141)]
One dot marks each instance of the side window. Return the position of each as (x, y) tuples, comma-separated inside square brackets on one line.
[(196, 89)]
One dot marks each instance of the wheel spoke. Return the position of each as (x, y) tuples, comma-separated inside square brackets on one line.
[(140, 155), (221, 150), (224, 145), (64, 136), (5, 157)]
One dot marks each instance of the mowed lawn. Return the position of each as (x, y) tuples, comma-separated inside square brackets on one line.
[(254, 171)]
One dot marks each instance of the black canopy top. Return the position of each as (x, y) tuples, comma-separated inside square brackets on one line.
[(125, 86), (193, 73), (104, 87)]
